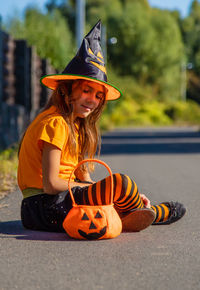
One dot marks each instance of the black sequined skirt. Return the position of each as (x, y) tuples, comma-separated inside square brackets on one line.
[(47, 212)]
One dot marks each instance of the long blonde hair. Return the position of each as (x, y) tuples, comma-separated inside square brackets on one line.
[(88, 132), (89, 141)]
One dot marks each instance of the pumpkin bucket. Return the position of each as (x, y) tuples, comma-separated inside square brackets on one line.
[(91, 222)]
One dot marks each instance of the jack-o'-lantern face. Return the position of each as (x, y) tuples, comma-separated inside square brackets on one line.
[(93, 225), (92, 222)]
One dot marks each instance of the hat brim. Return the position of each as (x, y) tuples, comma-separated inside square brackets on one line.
[(51, 82)]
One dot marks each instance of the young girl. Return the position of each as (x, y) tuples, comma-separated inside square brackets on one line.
[(63, 134)]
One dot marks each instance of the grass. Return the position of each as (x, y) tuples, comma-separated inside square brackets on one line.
[(8, 170)]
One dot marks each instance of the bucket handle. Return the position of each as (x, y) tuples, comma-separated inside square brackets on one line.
[(90, 160)]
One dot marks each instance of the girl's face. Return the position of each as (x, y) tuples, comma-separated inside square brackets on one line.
[(86, 97)]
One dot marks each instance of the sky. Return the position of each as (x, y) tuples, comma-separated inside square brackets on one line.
[(16, 7)]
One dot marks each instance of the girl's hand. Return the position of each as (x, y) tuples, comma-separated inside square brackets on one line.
[(146, 201), (83, 176)]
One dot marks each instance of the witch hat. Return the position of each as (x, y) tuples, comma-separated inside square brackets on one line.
[(88, 64)]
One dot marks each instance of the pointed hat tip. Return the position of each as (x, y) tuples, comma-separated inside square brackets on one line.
[(96, 27), (98, 24)]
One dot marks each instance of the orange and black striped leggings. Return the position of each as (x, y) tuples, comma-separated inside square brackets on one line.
[(126, 195)]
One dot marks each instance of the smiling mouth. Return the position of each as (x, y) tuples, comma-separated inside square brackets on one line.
[(86, 107), (93, 236)]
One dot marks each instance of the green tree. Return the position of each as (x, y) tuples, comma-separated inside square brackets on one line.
[(95, 10), (142, 2), (49, 33), (149, 47), (67, 10), (191, 35), (190, 27), (101, 9)]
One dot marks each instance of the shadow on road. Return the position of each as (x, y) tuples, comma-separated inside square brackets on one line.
[(14, 229), (151, 142)]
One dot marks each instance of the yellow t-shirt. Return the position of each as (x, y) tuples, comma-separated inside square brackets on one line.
[(51, 127)]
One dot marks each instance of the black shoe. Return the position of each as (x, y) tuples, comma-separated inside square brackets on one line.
[(177, 211)]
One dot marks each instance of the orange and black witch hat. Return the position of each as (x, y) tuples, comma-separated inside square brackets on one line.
[(88, 64)]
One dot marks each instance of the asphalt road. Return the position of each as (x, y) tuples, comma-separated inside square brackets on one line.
[(165, 164)]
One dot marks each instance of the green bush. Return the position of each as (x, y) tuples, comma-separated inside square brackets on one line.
[(124, 112), (139, 106), (130, 87), (155, 113), (128, 113), (184, 113)]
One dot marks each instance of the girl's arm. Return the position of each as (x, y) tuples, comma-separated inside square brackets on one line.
[(52, 184)]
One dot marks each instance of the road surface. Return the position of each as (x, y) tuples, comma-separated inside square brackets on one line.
[(165, 163)]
